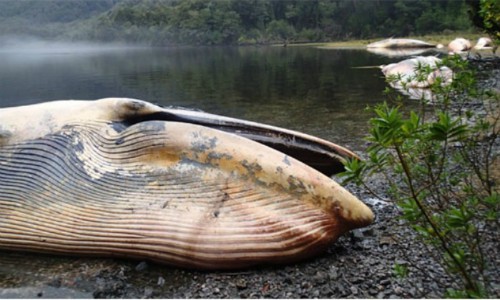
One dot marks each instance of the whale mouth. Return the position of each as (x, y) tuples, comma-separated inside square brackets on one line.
[(320, 154)]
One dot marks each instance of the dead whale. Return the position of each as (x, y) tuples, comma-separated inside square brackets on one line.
[(125, 178)]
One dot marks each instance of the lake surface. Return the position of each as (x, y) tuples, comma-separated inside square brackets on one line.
[(317, 91)]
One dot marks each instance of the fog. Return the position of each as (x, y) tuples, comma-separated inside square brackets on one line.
[(32, 45)]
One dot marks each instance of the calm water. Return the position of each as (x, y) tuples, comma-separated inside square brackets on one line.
[(317, 91)]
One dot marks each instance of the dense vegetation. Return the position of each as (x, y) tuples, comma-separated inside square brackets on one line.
[(203, 22), (440, 165), (485, 14)]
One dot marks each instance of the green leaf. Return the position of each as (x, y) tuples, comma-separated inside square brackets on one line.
[(447, 129), (400, 270), (457, 218), (354, 171), (456, 294), (411, 211), (492, 200)]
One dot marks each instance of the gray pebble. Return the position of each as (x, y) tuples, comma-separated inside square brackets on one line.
[(161, 281), (148, 292), (354, 290), (142, 266)]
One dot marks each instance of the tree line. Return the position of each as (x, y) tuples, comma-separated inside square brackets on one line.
[(231, 22)]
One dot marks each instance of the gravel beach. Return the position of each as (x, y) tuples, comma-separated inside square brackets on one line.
[(359, 265)]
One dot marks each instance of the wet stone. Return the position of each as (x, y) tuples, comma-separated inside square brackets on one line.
[(241, 284), (333, 274), (56, 282), (386, 240), (354, 290), (357, 280), (142, 266), (357, 234), (368, 232), (305, 285), (398, 290), (161, 281), (148, 292), (320, 277)]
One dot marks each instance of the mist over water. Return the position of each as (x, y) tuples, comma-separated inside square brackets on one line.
[(33, 45)]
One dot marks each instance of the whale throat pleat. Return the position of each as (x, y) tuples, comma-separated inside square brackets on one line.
[(88, 189)]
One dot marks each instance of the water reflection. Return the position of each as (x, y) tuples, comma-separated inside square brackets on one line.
[(307, 89)]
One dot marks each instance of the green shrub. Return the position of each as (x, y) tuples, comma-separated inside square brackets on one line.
[(441, 164)]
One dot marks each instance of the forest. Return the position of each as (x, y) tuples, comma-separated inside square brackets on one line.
[(231, 22)]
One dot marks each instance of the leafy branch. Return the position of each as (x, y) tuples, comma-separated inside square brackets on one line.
[(439, 164)]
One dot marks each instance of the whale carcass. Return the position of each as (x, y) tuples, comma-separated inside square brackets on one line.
[(483, 43), (414, 76), (400, 43), (459, 45), (406, 72), (125, 178)]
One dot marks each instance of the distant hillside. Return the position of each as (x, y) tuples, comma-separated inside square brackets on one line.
[(47, 18), (47, 11), (216, 22)]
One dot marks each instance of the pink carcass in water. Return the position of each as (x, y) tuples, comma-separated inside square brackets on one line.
[(483, 43), (459, 45), (406, 73)]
